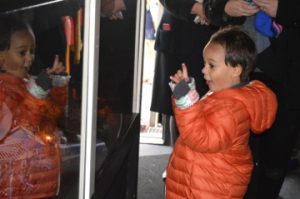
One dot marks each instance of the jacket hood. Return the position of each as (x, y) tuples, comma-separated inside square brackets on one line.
[(260, 102)]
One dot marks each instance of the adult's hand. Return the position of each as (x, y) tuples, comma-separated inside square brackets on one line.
[(197, 9), (112, 9), (239, 8), (268, 6)]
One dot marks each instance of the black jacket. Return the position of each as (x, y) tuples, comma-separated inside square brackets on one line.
[(186, 36), (281, 60)]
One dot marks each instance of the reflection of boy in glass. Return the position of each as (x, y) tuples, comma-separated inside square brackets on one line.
[(29, 109)]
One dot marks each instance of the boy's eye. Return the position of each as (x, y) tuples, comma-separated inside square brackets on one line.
[(22, 53), (209, 64)]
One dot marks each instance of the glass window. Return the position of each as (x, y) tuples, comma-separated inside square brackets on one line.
[(62, 140), (40, 116)]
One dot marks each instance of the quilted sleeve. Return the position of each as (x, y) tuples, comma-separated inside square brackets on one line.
[(57, 101), (210, 130)]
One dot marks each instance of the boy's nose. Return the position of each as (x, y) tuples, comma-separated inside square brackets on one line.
[(203, 70), (28, 60)]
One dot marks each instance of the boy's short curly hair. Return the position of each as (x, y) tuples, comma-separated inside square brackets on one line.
[(10, 24), (240, 49)]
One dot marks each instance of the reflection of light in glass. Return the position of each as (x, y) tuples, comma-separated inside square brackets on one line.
[(48, 138)]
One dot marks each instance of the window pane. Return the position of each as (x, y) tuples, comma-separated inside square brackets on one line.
[(40, 148)]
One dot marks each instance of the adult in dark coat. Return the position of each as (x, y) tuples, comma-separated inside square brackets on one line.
[(279, 66), (180, 40)]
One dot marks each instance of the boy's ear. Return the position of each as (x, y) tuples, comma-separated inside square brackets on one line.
[(237, 71)]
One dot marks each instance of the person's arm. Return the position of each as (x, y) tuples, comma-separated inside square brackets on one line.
[(112, 9), (285, 12), (185, 93), (57, 98), (180, 8), (183, 88), (57, 101), (197, 129), (51, 87), (211, 130), (212, 10), (217, 15)]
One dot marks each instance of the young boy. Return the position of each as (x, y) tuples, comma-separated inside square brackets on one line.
[(29, 109), (211, 158)]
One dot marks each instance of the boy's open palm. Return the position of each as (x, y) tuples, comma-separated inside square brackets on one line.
[(180, 75), (57, 68)]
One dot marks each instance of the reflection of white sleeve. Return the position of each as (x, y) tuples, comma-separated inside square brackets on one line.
[(60, 80), (35, 90)]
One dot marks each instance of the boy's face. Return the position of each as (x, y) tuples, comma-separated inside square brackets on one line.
[(19, 57), (217, 74)]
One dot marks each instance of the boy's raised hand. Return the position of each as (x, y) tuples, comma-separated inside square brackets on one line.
[(180, 75), (54, 76), (57, 68)]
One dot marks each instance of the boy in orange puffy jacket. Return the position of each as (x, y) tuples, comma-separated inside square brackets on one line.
[(29, 109), (211, 158)]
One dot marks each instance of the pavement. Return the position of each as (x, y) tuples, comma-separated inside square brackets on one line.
[(152, 162)]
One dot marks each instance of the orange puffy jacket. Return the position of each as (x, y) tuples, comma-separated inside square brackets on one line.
[(211, 158), (29, 145)]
